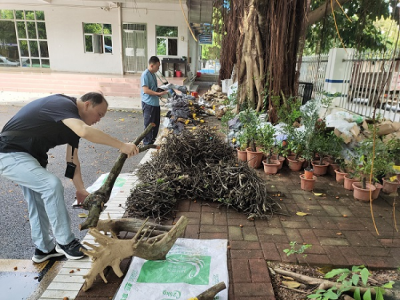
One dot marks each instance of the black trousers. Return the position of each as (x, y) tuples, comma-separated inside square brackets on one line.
[(151, 114)]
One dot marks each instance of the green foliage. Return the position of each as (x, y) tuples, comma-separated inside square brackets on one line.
[(251, 123), (288, 110), (359, 33), (296, 250), (357, 276), (266, 139)]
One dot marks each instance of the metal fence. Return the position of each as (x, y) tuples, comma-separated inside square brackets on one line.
[(372, 80), (312, 70)]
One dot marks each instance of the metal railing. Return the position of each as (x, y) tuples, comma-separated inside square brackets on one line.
[(313, 70), (372, 79)]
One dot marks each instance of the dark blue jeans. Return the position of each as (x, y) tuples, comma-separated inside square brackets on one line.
[(151, 114)]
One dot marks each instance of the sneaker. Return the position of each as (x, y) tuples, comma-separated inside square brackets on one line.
[(71, 250), (40, 256)]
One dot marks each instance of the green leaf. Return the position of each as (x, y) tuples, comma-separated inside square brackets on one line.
[(355, 279), (379, 293), (335, 272), (357, 294), (314, 296), (364, 276), (367, 295), (330, 295), (343, 277), (388, 285)]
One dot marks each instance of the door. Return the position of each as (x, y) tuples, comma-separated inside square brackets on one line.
[(135, 46)]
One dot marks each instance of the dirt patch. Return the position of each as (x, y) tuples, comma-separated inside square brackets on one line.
[(282, 292)]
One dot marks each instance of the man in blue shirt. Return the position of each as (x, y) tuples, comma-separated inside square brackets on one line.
[(150, 99)]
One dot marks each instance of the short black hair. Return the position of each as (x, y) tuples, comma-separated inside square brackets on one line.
[(95, 98), (154, 60)]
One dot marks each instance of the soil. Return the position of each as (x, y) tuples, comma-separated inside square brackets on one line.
[(377, 278)]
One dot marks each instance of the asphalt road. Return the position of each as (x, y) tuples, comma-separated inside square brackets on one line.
[(15, 240)]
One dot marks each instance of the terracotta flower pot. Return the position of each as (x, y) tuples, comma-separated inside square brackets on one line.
[(332, 168), (363, 194), (308, 174), (307, 184), (241, 155), (281, 160), (254, 159), (295, 164), (272, 167), (348, 182), (340, 176), (390, 186), (378, 188), (320, 170)]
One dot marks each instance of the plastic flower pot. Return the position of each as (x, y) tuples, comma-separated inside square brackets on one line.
[(340, 176), (320, 170), (307, 184), (272, 167), (361, 194)]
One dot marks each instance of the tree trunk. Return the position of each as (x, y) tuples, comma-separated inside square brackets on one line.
[(266, 35)]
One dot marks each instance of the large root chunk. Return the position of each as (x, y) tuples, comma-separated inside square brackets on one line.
[(144, 245)]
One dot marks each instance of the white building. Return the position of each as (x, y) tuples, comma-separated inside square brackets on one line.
[(100, 37)]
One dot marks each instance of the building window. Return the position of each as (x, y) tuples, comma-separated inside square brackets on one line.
[(97, 38), (167, 40), (23, 39)]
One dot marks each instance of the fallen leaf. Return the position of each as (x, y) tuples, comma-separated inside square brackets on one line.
[(288, 278), (82, 215), (122, 120), (318, 194), (338, 233), (302, 214), (291, 284)]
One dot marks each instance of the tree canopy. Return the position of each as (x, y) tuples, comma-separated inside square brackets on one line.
[(353, 24)]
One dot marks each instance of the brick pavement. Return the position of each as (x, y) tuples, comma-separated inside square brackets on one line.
[(336, 240)]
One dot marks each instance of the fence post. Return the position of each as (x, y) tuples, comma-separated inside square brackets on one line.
[(337, 77)]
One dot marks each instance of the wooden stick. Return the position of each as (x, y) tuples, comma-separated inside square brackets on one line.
[(95, 201)]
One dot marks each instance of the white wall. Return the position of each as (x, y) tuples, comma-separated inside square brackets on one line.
[(65, 33), (153, 14)]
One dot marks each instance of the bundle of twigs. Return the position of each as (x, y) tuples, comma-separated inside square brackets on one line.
[(197, 165)]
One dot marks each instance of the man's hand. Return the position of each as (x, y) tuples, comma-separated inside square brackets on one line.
[(162, 93), (81, 196), (129, 149)]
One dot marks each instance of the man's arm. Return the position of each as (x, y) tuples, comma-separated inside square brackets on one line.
[(81, 192), (150, 92), (99, 137)]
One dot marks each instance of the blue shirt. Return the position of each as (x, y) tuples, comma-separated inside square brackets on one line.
[(150, 80)]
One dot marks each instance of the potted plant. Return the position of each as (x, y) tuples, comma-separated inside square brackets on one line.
[(266, 140), (251, 122), (243, 144)]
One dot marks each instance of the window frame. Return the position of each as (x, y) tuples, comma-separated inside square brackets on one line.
[(167, 38), (27, 60), (102, 41)]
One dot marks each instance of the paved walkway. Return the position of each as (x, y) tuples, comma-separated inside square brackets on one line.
[(339, 228)]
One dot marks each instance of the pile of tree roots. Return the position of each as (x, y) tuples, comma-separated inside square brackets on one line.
[(197, 165)]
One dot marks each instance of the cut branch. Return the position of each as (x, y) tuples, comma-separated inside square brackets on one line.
[(211, 292), (111, 251), (95, 201), (324, 284)]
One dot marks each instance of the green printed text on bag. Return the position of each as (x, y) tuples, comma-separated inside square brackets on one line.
[(177, 269)]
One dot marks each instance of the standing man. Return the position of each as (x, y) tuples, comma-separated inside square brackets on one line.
[(150, 99), (24, 143)]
